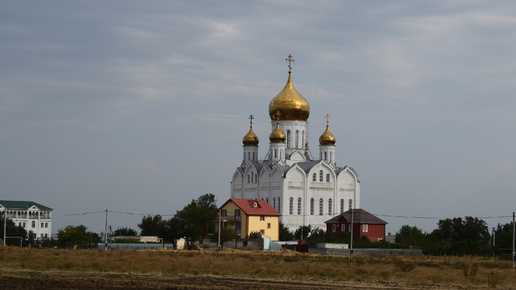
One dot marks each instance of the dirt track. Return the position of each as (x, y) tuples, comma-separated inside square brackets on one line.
[(87, 280)]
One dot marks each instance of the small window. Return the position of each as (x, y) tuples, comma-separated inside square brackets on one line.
[(255, 204), (320, 176), (327, 177), (314, 177), (312, 206), (350, 204), (254, 156), (248, 155), (329, 206), (24, 224), (268, 225), (291, 205), (297, 138), (333, 227), (275, 153), (237, 212), (262, 218), (267, 199), (223, 213), (343, 227), (279, 205), (325, 156), (341, 205), (262, 232), (288, 138), (46, 225), (274, 201), (321, 206), (33, 224), (299, 206), (42, 224)]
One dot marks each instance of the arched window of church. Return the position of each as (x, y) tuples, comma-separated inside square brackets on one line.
[(303, 139), (252, 177), (297, 138), (327, 177), (279, 205), (298, 205), (290, 206), (321, 206), (314, 177), (312, 206), (320, 176), (325, 156), (288, 138), (329, 206), (248, 155), (342, 205), (350, 204), (275, 153), (274, 201), (254, 156)]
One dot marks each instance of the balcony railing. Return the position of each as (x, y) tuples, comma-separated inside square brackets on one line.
[(231, 218)]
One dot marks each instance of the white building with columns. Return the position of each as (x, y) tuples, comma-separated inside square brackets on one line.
[(30, 215), (304, 189)]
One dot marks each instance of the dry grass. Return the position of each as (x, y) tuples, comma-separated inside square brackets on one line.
[(471, 272)]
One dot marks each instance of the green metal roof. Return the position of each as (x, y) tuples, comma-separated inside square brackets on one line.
[(16, 204)]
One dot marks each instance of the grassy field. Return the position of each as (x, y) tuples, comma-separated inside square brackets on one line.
[(57, 268)]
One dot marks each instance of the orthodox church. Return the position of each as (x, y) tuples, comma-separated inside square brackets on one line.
[(304, 189)]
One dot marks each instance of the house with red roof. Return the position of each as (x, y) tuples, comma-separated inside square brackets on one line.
[(245, 216), (364, 224)]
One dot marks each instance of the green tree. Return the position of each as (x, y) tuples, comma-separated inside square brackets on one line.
[(457, 236), (73, 236), (284, 233), (151, 226), (226, 235), (127, 232), (12, 230), (410, 236), (195, 220)]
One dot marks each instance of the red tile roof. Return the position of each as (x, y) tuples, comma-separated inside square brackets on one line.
[(254, 206), (360, 216)]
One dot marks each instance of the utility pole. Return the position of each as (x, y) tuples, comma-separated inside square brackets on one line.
[(218, 245), (105, 233), (5, 224), (351, 231), (513, 238)]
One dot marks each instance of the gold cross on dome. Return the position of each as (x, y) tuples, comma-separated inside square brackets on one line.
[(278, 114), (327, 119), (251, 118), (290, 60)]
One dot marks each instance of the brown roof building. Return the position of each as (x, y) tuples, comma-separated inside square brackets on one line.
[(364, 224)]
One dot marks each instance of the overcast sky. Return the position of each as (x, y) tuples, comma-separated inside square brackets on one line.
[(140, 106)]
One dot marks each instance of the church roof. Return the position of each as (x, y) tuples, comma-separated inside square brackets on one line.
[(16, 204), (308, 165), (254, 206), (360, 216), (340, 169)]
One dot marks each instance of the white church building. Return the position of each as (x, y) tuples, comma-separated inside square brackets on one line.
[(304, 189)]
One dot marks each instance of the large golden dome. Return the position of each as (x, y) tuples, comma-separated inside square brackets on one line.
[(327, 137), (277, 136), (289, 105), (250, 139)]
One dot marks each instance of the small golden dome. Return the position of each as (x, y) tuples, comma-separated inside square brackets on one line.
[(277, 136), (250, 139), (327, 137), (290, 105)]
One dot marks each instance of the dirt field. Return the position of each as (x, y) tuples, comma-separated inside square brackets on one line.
[(81, 280), (22, 268)]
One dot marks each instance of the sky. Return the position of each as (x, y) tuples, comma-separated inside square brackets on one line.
[(139, 107)]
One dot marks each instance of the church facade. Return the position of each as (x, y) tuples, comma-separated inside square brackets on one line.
[(304, 189)]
